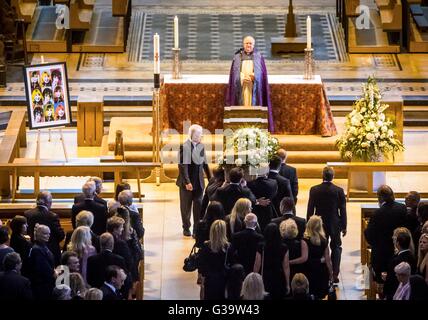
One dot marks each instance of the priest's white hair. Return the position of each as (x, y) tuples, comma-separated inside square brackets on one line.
[(194, 128)]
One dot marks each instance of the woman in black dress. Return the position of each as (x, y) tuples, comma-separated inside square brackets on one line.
[(215, 182), (214, 212), (19, 240), (297, 249), (235, 220), (272, 262), (213, 257), (319, 269)]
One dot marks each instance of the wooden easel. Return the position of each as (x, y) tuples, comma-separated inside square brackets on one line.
[(49, 140)]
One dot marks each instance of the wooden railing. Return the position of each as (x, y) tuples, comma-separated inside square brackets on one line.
[(14, 138), (50, 168), (368, 168)]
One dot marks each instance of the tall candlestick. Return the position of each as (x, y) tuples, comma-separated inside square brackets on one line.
[(156, 54), (156, 61), (176, 45), (308, 33), (43, 60)]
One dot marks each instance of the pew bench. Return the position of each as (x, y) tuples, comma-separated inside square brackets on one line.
[(368, 168), (25, 9), (80, 18), (391, 18)]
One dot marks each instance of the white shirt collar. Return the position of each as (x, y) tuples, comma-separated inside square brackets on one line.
[(275, 171), (400, 252)]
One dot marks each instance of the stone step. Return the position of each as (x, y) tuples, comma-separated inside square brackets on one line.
[(144, 142), (304, 170), (294, 157)]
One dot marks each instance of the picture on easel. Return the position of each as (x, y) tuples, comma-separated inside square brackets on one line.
[(48, 100)]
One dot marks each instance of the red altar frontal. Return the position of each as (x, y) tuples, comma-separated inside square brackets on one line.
[(299, 106)]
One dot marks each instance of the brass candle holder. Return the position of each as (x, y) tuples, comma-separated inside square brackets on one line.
[(309, 64), (176, 63)]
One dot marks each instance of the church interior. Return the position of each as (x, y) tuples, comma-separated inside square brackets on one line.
[(134, 78)]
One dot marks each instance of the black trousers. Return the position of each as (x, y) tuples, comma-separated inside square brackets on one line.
[(333, 234), (187, 200)]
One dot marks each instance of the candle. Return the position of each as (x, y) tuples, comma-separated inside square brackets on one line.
[(43, 60), (176, 46), (156, 55), (308, 33)]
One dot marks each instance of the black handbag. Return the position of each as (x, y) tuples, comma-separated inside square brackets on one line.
[(191, 262), (332, 296)]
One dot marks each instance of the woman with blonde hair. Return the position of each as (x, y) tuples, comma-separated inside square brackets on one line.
[(81, 244), (213, 257), (94, 294), (297, 249), (235, 220), (77, 286), (422, 267), (319, 268), (253, 287)]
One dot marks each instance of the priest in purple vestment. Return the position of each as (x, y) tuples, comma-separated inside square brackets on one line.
[(248, 81)]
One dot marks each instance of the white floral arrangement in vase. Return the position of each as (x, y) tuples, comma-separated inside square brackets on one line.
[(369, 134), (249, 147)]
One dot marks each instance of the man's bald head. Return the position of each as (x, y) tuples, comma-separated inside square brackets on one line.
[(248, 44)]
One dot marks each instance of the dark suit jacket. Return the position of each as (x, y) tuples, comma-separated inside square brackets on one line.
[(42, 215), (209, 193), (15, 287), (284, 190), (391, 282), (20, 245), (301, 223), (109, 295), (230, 193), (190, 171), (122, 249), (136, 223), (98, 210), (290, 173), (98, 264), (39, 268), (379, 233), (245, 244), (81, 197), (268, 188), (328, 201)]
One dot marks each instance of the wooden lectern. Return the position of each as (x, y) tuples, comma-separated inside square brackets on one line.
[(90, 123), (236, 117)]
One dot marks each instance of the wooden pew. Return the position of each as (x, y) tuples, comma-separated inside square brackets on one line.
[(49, 168), (370, 167), (25, 9), (80, 18), (385, 4), (15, 137), (392, 18), (367, 211), (120, 8)]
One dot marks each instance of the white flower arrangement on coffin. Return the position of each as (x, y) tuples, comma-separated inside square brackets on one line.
[(249, 148), (368, 134)]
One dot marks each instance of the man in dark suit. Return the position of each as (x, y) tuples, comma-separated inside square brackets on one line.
[(380, 229), (264, 188), (289, 172), (114, 279), (39, 266), (42, 214), (97, 264), (328, 201), (402, 244), (287, 212), (125, 198), (412, 222), (228, 194), (246, 242), (98, 189), (284, 189), (13, 286), (89, 204), (192, 163)]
